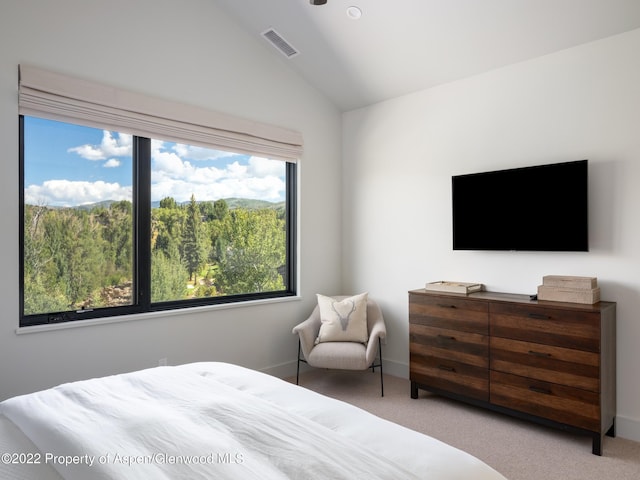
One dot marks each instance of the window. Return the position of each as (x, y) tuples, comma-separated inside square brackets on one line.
[(77, 238), (117, 223), (219, 224)]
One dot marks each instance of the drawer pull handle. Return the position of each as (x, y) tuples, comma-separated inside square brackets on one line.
[(446, 337), (446, 368), (539, 354), (544, 391), (443, 305), (539, 316)]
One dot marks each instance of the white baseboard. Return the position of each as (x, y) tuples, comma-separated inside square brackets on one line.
[(628, 428), (282, 370), (397, 369)]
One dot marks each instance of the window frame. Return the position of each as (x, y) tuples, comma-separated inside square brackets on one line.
[(141, 211)]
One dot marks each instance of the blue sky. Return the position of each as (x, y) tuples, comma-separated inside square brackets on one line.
[(69, 165)]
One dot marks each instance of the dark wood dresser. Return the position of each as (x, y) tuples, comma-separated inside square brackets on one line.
[(550, 362)]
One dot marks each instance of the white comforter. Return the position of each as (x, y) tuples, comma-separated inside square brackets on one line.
[(215, 420)]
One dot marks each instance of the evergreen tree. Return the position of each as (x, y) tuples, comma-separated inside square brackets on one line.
[(195, 246), (220, 209)]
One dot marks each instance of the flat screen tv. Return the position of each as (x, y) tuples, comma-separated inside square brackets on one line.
[(539, 208)]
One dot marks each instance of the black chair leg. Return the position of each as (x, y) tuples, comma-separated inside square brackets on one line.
[(381, 380), (374, 365), (298, 368)]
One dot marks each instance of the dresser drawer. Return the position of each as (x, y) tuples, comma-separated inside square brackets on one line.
[(573, 329), (450, 376), (463, 347), (573, 368), (571, 406), (449, 312)]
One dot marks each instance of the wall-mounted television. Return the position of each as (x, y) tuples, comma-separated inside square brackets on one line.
[(539, 208)]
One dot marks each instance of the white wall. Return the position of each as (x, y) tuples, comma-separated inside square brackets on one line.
[(399, 157), (189, 51)]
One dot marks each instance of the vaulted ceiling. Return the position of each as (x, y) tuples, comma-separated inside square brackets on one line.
[(397, 47)]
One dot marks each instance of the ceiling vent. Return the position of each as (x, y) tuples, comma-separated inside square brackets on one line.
[(280, 43)]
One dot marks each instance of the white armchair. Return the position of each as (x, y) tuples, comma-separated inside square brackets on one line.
[(342, 355)]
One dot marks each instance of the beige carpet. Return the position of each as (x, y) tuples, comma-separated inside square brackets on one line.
[(518, 449)]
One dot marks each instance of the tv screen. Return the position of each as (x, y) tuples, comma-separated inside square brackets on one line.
[(540, 208)]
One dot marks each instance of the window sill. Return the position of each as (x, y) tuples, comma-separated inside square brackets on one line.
[(148, 315)]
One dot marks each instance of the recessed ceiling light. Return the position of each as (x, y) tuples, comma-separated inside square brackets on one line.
[(354, 13)]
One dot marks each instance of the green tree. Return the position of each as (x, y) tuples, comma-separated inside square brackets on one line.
[(215, 226), (168, 273), (117, 232), (254, 252), (206, 211), (76, 249), (166, 225), (40, 295), (169, 203), (72, 255), (220, 209), (168, 276), (34, 245), (195, 244)]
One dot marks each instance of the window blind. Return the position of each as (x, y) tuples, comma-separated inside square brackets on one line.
[(60, 97)]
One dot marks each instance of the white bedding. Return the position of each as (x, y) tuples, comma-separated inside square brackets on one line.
[(215, 420)]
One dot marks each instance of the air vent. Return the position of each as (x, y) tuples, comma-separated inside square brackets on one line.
[(280, 43)]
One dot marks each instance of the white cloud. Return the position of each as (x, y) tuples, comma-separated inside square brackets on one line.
[(270, 188), (112, 163), (112, 145), (235, 170), (199, 153), (178, 171), (89, 152), (169, 165), (61, 193), (175, 176), (263, 167)]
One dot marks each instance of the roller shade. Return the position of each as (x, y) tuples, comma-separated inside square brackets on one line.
[(60, 97)]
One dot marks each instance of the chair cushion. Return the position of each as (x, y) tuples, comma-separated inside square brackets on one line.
[(343, 320), (339, 355)]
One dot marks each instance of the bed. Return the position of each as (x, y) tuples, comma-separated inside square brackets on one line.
[(212, 420)]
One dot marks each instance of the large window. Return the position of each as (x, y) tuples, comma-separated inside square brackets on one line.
[(115, 223)]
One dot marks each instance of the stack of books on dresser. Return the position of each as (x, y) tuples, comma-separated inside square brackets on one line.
[(561, 288)]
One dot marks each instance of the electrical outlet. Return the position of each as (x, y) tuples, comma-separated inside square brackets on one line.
[(162, 362)]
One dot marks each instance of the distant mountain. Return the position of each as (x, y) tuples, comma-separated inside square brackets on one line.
[(90, 206), (246, 203), (252, 204)]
